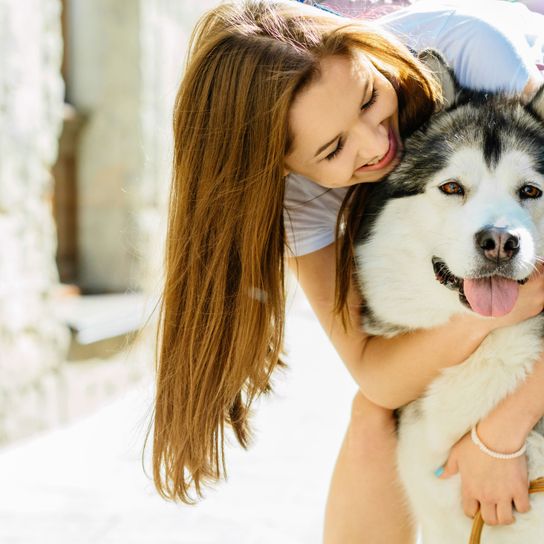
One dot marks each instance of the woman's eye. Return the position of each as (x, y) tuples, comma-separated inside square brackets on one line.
[(373, 97), (529, 191), (340, 145), (452, 188), (339, 148)]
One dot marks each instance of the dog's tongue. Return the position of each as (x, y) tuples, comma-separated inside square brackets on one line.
[(492, 297)]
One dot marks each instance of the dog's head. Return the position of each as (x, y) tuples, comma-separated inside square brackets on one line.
[(464, 210)]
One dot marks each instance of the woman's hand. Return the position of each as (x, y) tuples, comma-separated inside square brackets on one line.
[(491, 485), (497, 484)]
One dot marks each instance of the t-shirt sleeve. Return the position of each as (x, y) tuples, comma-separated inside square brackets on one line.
[(490, 45), (492, 58), (310, 214)]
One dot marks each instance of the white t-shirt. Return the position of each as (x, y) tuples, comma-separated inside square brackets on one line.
[(490, 44)]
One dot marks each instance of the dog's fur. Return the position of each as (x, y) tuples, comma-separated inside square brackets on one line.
[(493, 145)]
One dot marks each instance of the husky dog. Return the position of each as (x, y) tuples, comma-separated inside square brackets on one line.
[(456, 228)]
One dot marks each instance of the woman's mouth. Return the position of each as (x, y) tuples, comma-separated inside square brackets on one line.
[(385, 160)]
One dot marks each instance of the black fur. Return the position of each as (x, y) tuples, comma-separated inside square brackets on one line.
[(493, 122)]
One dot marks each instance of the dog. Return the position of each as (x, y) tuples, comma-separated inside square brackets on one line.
[(456, 227)]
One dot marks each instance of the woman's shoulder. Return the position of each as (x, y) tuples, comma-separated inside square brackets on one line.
[(426, 20), (491, 44), (427, 12)]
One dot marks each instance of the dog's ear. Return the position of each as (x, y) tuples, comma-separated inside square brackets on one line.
[(537, 103), (443, 73)]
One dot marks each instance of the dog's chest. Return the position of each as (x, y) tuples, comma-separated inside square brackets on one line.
[(464, 394)]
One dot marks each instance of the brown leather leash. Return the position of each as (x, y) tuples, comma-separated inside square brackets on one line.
[(536, 486)]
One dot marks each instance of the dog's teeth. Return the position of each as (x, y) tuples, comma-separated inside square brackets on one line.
[(444, 276)]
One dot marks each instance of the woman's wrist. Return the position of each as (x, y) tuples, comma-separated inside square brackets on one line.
[(504, 455), (503, 436), (503, 432), (507, 426)]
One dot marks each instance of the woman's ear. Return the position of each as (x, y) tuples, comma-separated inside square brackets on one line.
[(443, 73)]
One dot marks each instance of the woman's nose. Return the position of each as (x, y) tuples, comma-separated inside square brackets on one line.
[(373, 141)]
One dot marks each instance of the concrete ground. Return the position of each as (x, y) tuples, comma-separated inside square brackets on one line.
[(85, 484)]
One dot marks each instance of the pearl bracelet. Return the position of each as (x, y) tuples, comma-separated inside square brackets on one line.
[(495, 454)]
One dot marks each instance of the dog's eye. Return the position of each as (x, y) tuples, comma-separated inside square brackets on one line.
[(529, 191), (452, 188)]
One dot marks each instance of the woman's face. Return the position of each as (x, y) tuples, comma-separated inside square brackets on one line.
[(345, 125)]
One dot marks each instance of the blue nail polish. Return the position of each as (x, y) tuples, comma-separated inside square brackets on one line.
[(439, 471)]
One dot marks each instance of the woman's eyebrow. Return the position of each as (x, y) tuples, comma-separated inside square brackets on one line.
[(324, 146)]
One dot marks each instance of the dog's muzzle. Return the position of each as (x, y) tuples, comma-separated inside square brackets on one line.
[(489, 295)]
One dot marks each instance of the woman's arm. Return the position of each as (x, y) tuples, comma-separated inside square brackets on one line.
[(392, 372), (506, 428), (494, 485)]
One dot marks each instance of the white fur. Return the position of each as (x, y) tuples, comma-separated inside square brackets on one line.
[(399, 285), (458, 399)]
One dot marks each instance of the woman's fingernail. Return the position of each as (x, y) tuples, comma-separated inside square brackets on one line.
[(439, 471)]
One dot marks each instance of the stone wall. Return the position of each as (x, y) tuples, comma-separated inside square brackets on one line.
[(124, 64), (104, 85), (32, 342), (125, 59)]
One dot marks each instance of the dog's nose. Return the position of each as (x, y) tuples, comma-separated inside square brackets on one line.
[(497, 244)]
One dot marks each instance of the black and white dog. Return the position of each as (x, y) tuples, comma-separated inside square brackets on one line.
[(456, 228)]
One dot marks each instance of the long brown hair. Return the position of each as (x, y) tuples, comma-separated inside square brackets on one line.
[(222, 314)]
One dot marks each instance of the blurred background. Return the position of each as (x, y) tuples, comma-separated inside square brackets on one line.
[(85, 106), (86, 94)]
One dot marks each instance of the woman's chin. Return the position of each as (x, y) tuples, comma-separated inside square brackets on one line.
[(370, 177)]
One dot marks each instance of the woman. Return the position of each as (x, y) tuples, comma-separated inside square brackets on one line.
[(277, 94)]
